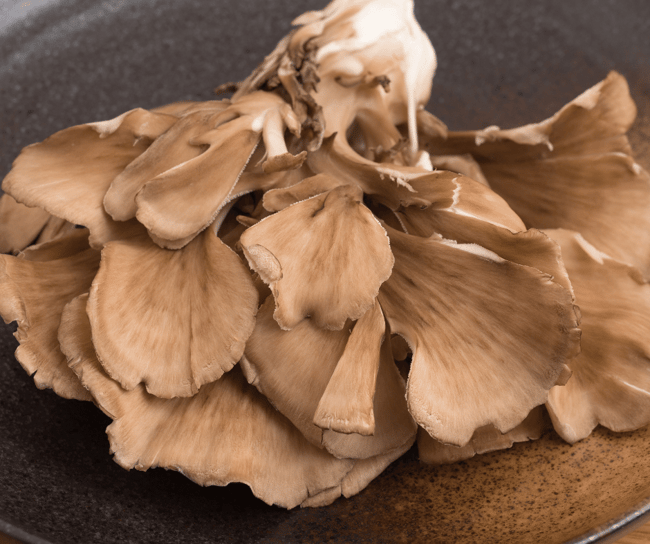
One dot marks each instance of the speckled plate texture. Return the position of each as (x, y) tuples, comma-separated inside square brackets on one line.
[(500, 62)]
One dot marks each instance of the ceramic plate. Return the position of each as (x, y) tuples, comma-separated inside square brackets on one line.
[(506, 63)]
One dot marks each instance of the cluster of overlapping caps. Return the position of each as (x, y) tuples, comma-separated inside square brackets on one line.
[(289, 287)]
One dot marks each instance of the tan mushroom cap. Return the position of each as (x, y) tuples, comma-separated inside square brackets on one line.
[(293, 369), (485, 439), (172, 320), (226, 433), (181, 202), (69, 173), (489, 337), (573, 171), (394, 426), (610, 385), (19, 225), (468, 198), (347, 402), (172, 148), (34, 293), (324, 257), (478, 216), (278, 199)]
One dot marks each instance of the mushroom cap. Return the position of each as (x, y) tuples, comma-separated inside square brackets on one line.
[(489, 337), (34, 293), (201, 298), (19, 225), (324, 257), (610, 384), (476, 215)]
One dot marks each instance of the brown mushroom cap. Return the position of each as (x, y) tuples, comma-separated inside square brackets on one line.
[(573, 171), (180, 185), (347, 402), (226, 433), (19, 225), (278, 199), (485, 439), (293, 369), (478, 216), (489, 337), (324, 257), (179, 203), (34, 293), (173, 320), (172, 148), (611, 375), (69, 173)]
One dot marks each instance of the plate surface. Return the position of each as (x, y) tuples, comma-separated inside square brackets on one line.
[(506, 63)]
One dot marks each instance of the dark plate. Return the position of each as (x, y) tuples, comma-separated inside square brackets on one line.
[(507, 63)]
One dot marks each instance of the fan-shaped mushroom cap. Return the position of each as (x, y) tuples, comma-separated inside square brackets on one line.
[(611, 375), (276, 200), (293, 369), (173, 320), (213, 438), (485, 439), (573, 171), (33, 293), (173, 147), (19, 225), (324, 257), (347, 402), (69, 173), (489, 337), (478, 216), (179, 203)]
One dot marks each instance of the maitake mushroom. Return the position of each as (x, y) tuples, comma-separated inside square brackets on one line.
[(301, 230)]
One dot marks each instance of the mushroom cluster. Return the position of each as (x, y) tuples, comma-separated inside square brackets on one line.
[(290, 287)]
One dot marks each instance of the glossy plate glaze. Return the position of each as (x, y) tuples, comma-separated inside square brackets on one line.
[(506, 63)]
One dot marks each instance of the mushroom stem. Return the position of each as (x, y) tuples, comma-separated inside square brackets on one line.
[(273, 133)]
